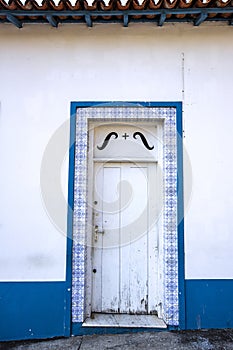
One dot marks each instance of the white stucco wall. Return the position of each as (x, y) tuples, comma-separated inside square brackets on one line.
[(43, 69)]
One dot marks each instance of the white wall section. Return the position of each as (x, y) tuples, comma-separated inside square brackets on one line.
[(43, 69)]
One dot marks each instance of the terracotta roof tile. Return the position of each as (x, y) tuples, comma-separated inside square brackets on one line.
[(87, 11), (122, 7)]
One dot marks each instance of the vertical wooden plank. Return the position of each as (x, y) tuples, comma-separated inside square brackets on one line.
[(125, 238), (153, 216), (110, 256), (97, 249), (138, 245), (134, 253)]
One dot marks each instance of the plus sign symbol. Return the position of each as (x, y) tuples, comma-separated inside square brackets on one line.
[(125, 136)]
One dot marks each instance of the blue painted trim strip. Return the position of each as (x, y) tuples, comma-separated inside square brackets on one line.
[(77, 329), (86, 104), (68, 20), (180, 216), (100, 20), (70, 217)]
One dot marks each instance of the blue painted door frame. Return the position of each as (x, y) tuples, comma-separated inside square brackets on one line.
[(77, 328)]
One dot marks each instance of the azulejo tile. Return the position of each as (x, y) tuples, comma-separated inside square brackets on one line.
[(170, 263)]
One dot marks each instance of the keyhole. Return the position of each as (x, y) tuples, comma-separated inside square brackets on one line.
[(94, 270)]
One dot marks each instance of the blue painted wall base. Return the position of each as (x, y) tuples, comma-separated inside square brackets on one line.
[(33, 310), (209, 304), (36, 310)]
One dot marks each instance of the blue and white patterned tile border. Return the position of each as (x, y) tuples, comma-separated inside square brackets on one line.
[(170, 234)]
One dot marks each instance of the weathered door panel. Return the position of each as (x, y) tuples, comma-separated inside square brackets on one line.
[(125, 238)]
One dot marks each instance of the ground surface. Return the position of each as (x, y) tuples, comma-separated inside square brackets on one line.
[(183, 340)]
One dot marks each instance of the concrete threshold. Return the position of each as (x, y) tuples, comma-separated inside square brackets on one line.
[(124, 320)]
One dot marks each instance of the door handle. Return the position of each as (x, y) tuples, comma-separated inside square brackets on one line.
[(97, 232)]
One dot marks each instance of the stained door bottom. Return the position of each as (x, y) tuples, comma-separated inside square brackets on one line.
[(124, 320)]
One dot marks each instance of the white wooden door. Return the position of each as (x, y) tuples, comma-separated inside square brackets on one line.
[(125, 238)]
